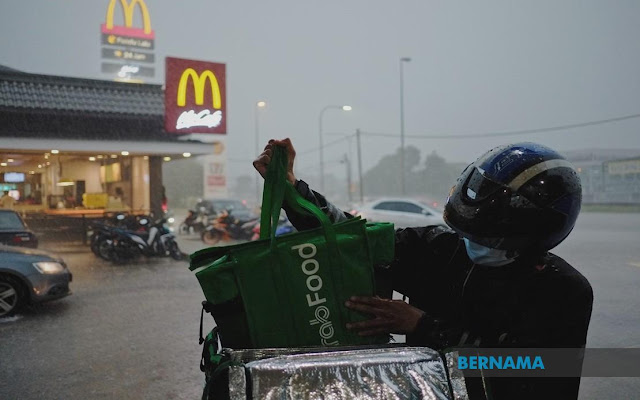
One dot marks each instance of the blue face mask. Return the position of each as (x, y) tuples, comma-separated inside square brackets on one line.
[(482, 255)]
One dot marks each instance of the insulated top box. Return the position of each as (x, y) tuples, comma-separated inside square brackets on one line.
[(374, 373)]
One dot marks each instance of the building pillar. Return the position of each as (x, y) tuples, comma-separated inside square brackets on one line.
[(140, 184), (155, 185)]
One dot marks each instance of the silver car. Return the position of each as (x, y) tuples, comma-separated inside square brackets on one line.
[(30, 276), (401, 212)]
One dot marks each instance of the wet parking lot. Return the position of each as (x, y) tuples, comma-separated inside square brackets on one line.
[(131, 331), (126, 332)]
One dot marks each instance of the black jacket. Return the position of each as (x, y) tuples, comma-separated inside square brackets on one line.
[(537, 301)]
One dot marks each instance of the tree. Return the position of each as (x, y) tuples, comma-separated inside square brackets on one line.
[(384, 178), (438, 176), (433, 180)]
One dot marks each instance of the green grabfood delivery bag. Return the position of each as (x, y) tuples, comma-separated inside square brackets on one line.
[(289, 291)]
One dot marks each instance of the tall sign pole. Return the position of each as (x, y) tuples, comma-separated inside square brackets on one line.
[(127, 51), (359, 165)]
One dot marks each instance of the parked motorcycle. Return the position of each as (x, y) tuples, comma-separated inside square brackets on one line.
[(100, 240), (226, 227), (158, 241), (102, 234), (195, 222)]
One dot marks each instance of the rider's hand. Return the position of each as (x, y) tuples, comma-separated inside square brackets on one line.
[(389, 316), (264, 158)]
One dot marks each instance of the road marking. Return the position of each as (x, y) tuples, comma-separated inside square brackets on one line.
[(635, 264)]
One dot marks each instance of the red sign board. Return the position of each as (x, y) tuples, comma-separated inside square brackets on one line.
[(195, 97)]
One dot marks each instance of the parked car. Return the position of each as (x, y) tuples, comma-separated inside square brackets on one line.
[(402, 213), (235, 207), (30, 276), (14, 231)]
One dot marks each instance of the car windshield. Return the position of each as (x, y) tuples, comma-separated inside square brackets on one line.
[(10, 221)]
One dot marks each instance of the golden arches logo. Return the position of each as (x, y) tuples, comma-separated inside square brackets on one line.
[(199, 82), (127, 10)]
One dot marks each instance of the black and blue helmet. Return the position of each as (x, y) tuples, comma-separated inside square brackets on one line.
[(520, 197)]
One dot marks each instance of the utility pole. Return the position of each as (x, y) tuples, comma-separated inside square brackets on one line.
[(346, 161), (402, 177), (359, 165)]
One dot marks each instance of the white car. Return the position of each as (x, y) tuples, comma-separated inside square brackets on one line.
[(403, 213)]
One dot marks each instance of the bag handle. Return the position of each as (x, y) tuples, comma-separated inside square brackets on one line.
[(273, 194), (276, 190)]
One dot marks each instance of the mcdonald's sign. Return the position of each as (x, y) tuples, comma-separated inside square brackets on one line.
[(128, 30), (195, 96)]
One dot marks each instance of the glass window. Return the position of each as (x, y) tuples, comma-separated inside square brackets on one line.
[(401, 206), (409, 207), (10, 221), (386, 205)]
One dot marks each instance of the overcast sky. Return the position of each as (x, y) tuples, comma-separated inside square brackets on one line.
[(476, 67)]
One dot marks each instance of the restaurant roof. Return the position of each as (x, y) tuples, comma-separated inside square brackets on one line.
[(47, 106)]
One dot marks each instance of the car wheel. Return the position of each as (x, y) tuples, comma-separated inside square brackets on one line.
[(12, 296)]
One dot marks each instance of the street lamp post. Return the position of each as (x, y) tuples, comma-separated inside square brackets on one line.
[(344, 108), (402, 177), (347, 159), (360, 166), (256, 114)]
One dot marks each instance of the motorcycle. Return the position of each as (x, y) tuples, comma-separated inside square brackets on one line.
[(101, 233), (101, 240), (225, 227), (195, 222), (158, 241)]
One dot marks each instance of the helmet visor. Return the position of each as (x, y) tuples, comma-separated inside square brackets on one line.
[(478, 187), (491, 214)]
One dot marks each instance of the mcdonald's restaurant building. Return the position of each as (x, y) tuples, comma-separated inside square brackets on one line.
[(70, 145)]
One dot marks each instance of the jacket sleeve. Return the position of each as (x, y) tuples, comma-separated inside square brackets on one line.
[(421, 265), (304, 222)]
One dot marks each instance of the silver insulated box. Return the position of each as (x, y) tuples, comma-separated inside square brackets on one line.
[(372, 373)]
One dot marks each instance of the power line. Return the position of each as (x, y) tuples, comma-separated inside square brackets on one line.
[(512, 133), (326, 145), (461, 136), (308, 167), (239, 160)]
